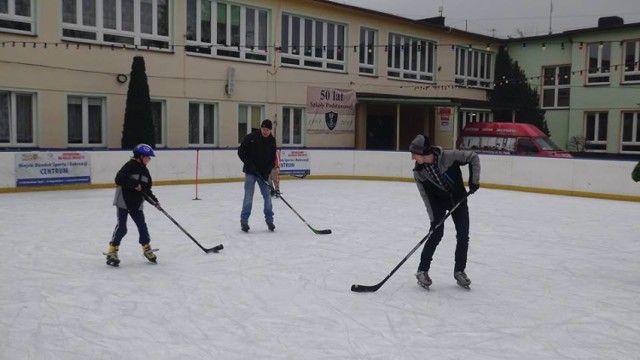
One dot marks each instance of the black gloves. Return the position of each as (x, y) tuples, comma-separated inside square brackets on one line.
[(473, 188)]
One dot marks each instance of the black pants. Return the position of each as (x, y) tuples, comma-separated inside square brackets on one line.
[(121, 227), (461, 220)]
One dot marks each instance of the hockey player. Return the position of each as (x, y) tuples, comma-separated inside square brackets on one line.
[(439, 178), (133, 180)]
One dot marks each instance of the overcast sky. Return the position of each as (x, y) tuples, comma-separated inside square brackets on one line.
[(504, 18)]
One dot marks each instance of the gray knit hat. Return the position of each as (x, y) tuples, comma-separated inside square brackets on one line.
[(421, 145)]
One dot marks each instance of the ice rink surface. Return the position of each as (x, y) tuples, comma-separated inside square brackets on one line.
[(554, 277)]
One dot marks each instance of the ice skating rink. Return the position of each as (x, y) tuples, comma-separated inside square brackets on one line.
[(554, 277)]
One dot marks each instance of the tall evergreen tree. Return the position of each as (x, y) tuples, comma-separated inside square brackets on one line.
[(512, 89), (138, 122)]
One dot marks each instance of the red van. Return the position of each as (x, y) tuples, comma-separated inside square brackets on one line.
[(508, 138)]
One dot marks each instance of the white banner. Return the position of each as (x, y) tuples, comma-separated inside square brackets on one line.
[(294, 162), (330, 111), (52, 168)]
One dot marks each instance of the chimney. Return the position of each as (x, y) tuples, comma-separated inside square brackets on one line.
[(610, 21)]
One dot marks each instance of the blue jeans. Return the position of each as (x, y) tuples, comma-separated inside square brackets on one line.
[(249, 187)]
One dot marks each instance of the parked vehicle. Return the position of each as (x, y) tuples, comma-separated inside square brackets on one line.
[(508, 138)]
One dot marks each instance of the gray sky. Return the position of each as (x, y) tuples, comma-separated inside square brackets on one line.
[(504, 18)]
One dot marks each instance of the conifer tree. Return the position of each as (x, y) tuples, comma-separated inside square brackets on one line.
[(138, 122), (512, 88)]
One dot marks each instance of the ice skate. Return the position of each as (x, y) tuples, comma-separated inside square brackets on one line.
[(148, 253), (462, 279), (244, 227), (271, 226), (112, 256), (423, 279)]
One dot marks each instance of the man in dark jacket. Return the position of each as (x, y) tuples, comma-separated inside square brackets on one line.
[(439, 178), (133, 181), (258, 153)]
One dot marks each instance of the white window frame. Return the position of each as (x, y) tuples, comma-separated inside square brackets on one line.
[(98, 33), (473, 67), (84, 103), (288, 112), (411, 59), (599, 73), (313, 47), (595, 142), (12, 119), (245, 112), (368, 56), (18, 19), (161, 121), (631, 60), (631, 146), (559, 81), (202, 142), (242, 49)]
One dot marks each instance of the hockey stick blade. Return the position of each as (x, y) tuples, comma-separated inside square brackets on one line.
[(322, 232), (214, 249), (365, 288)]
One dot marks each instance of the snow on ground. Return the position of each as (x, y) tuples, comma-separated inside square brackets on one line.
[(554, 277)]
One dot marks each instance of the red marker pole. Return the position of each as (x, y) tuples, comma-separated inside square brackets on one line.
[(197, 167)]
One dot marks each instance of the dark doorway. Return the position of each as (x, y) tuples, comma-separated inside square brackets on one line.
[(381, 132)]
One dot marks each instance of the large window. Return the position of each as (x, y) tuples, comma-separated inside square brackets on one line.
[(367, 60), (249, 117), (312, 43), (129, 22), (556, 86), (16, 16), (410, 58), (157, 115), (85, 121), (599, 63), (17, 123), (473, 67), (631, 62), (202, 124), (474, 115), (631, 132), (292, 126), (227, 30), (596, 131)]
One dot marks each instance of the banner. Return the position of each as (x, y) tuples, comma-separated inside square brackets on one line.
[(330, 111), (52, 168), (294, 162)]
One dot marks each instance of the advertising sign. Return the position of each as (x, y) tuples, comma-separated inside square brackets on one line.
[(294, 162), (330, 111), (52, 168)]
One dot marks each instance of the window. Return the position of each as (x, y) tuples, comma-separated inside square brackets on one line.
[(410, 59), (234, 31), (596, 132), (473, 67), (630, 132), (158, 109), (128, 22), (631, 62), (249, 117), (367, 60), (292, 126), (16, 16), (17, 122), (555, 86), (599, 63), (202, 124), (471, 116), (312, 43), (85, 121)]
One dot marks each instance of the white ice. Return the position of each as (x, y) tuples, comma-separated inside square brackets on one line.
[(554, 277)]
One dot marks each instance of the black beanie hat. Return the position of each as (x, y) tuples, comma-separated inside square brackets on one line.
[(266, 124), (421, 145)]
